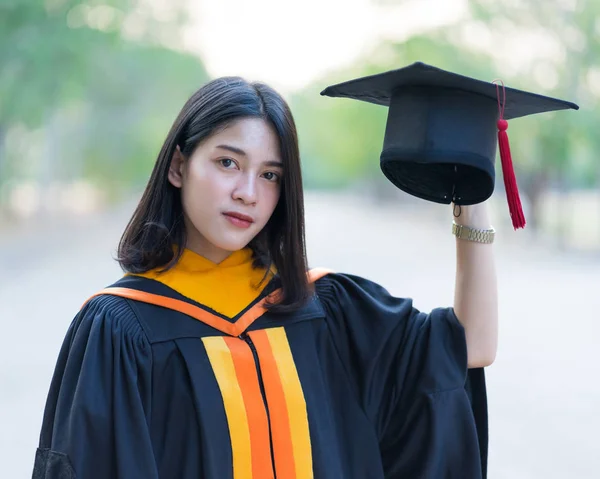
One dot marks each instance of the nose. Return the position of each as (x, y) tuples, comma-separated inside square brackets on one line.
[(246, 189)]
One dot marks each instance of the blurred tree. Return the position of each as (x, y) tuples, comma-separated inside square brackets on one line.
[(108, 64), (134, 104), (48, 49), (567, 36)]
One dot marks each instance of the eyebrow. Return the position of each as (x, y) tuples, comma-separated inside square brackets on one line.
[(241, 152), (233, 149)]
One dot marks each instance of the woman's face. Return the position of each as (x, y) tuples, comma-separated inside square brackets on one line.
[(230, 186)]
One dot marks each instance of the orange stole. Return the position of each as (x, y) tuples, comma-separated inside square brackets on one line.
[(235, 370), (287, 406), (234, 367), (233, 364)]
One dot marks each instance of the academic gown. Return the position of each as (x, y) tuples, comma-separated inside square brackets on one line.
[(356, 384)]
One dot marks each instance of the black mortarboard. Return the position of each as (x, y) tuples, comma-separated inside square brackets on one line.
[(442, 130)]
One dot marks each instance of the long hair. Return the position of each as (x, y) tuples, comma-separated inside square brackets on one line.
[(155, 235)]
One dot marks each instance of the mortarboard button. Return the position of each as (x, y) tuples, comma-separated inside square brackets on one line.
[(442, 130)]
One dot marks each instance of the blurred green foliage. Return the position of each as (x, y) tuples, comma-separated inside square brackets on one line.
[(94, 80)]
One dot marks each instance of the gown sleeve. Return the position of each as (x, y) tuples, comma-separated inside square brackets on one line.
[(95, 422), (409, 371)]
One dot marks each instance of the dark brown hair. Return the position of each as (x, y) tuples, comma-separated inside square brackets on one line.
[(155, 235)]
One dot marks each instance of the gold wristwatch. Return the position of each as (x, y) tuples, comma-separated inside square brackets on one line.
[(473, 234)]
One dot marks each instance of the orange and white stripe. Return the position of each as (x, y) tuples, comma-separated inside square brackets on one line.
[(287, 406), (234, 367)]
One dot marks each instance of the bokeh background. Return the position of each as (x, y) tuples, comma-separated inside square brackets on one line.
[(88, 91)]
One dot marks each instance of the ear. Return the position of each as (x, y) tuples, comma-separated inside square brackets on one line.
[(176, 168)]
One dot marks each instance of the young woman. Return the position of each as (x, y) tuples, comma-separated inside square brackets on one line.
[(220, 355)]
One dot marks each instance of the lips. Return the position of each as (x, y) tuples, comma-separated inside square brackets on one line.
[(238, 219), (239, 216)]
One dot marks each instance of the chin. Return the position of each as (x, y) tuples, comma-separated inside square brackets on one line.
[(232, 244)]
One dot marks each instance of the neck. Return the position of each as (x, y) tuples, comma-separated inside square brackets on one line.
[(216, 256), (204, 248)]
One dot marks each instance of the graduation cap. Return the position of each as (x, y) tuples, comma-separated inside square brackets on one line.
[(442, 130)]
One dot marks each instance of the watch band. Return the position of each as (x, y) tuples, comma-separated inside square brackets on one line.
[(473, 234)]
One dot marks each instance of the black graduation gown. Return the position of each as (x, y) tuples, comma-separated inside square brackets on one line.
[(356, 384)]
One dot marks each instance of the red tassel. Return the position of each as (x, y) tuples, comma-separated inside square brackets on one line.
[(510, 182)]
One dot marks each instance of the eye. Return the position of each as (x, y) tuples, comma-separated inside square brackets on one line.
[(271, 176), (226, 163)]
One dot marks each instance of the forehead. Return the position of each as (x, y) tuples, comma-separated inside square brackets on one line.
[(252, 135)]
